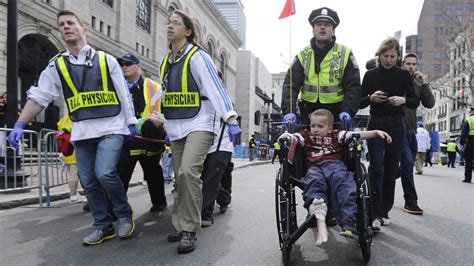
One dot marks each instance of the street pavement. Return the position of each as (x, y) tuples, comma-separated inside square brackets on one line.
[(246, 234)]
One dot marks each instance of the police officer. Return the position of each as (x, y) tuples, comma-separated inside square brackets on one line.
[(325, 74), (148, 154), (276, 152), (467, 139), (452, 148), (100, 108), (252, 145)]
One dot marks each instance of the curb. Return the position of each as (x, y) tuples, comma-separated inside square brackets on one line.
[(64, 195)]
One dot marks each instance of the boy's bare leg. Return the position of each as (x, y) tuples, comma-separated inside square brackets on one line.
[(319, 209)]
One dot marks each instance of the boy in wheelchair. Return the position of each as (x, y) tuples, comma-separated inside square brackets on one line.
[(327, 179)]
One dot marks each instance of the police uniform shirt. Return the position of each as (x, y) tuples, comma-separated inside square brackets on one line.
[(210, 86), (49, 88)]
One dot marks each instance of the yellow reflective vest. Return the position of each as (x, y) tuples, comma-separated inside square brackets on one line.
[(182, 98), (470, 122), (327, 84), (87, 96), (150, 88), (452, 147)]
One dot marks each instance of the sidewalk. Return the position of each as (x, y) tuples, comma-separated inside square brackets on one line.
[(13, 200)]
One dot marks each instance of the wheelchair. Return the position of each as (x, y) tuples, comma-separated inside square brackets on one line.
[(289, 177)]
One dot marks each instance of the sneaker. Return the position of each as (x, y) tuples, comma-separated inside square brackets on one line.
[(377, 224), (349, 229), (413, 209), (465, 181), (99, 236), (223, 209), (188, 242), (385, 221), (76, 198), (158, 208), (126, 226), (175, 236), (207, 222)]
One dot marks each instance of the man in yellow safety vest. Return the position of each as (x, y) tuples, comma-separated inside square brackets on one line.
[(142, 91)]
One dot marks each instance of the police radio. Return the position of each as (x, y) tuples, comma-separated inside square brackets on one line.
[(88, 62)]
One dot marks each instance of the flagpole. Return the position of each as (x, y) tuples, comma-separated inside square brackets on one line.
[(291, 75)]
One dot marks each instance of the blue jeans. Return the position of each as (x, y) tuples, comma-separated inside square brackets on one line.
[(330, 181), (96, 162), (167, 166), (384, 162), (410, 149)]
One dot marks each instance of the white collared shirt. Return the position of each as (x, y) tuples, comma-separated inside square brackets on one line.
[(49, 88)]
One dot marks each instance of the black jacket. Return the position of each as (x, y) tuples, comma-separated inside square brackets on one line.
[(350, 85), (137, 96)]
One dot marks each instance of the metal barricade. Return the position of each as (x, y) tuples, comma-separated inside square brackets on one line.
[(37, 166), (19, 168), (51, 169)]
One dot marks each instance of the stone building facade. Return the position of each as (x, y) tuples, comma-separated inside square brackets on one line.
[(117, 27), (454, 91)]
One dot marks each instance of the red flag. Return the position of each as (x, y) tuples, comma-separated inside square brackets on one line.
[(288, 10)]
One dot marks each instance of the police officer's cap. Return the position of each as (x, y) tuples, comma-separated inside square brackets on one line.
[(324, 14), (129, 58)]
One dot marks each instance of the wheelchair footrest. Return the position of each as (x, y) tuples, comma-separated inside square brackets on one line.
[(301, 229)]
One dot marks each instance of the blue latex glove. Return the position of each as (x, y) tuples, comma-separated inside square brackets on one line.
[(234, 133), (15, 136), (289, 117), (132, 130), (167, 141), (345, 116)]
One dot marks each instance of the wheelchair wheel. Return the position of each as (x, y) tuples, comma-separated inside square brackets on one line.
[(364, 213), (285, 209)]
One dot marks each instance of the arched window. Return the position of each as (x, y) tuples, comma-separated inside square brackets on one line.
[(223, 63), (257, 116), (210, 49)]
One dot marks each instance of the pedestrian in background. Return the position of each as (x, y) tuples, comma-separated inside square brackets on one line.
[(195, 97), (276, 152), (411, 147), (69, 162), (423, 140), (467, 139), (167, 164), (429, 154), (134, 150), (452, 149), (252, 145), (325, 75), (386, 88), (77, 74)]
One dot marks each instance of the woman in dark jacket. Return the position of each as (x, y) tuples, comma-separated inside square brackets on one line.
[(386, 89)]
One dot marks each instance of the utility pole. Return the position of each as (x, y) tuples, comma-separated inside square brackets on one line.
[(12, 63)]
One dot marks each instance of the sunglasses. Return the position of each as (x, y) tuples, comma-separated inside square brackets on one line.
[(127, 64)]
